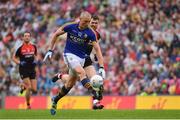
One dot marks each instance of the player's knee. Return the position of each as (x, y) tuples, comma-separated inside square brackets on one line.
[(34, 91), (28, 87), (82, 74), (69, 84)]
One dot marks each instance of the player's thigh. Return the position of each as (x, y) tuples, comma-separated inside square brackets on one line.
[(27, 82), (65, 78), (75, 64), (32, 76), (90, 71), (34, 84), (71, 82), (73, 61), (80, 71)]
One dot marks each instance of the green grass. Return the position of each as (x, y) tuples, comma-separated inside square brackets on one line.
[(90, 114)]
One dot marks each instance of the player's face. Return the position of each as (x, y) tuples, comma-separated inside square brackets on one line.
[(26, 37), (94, 24), (84, 22)]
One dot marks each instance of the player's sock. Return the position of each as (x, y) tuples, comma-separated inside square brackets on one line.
[(86, 83), (62, 93), (100, 92), (28, 106), (56, 77), (54, 105)]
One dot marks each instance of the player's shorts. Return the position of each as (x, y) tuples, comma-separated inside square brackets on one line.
[(27, 73), (73, 61), (88, 62)]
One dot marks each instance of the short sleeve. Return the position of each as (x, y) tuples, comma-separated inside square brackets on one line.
[(93, 37), (18, 52), (67, 27)]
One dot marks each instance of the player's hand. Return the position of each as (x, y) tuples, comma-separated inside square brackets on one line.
[(48, 55), (22, 63), (102, 72), (35, 62)]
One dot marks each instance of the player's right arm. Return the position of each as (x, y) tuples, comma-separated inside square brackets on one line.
[(65, 28), (55, 36), (53, 40), (15, 56)]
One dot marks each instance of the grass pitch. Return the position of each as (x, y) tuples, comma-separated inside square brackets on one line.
[(90, 114)]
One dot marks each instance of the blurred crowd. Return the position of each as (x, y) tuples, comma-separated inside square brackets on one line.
[(140, 41)]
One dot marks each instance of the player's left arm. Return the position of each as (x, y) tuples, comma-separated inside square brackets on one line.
[(98, 40), (55, 36), (98, 53), (53, 40), (100, 59), (35, 54), (94, 39)]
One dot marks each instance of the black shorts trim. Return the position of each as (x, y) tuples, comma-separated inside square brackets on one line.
[(88, 62)]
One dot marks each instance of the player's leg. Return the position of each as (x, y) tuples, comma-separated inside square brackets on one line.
[(64, 90), (33, 81), (24, 73), (34, 86), (22, 87), (76, 63), (63, 77), (85, 80), (27, 83), (90, 71)]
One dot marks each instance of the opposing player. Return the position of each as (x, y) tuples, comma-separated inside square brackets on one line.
[(25, 57), (88, 67), (79, 36)]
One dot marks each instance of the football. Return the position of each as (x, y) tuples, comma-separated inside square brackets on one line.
[(96, 81)]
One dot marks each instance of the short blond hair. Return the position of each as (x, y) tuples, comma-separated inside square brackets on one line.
[(85, 14)]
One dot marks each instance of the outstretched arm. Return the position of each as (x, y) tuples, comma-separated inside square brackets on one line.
[(53, 40), (54, 37)]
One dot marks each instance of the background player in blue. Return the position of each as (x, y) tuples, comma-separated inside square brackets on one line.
[(88, 66), (79, 36)]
